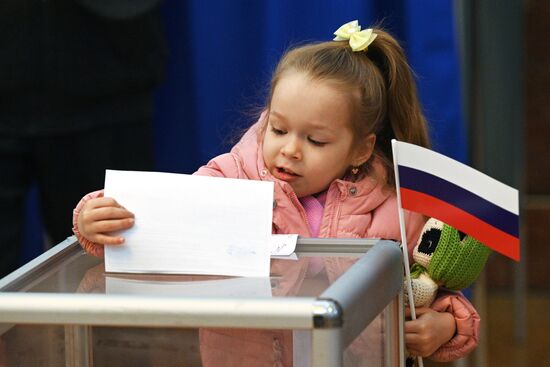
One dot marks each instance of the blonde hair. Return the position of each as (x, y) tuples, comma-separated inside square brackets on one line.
[(378, 79)]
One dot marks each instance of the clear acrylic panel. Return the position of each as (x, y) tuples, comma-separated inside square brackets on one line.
[(104, 345)]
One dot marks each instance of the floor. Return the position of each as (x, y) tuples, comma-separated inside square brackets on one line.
[(502, 348)]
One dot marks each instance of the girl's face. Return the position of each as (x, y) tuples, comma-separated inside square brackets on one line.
[(308, 139)]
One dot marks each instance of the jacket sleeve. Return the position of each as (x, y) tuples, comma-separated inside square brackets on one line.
[(467, 326), (225, 165), (90, 247)]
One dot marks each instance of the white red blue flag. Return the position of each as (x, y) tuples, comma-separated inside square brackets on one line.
[(472, 202)]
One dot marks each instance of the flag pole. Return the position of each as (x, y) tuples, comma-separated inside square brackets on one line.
[(404, 247)]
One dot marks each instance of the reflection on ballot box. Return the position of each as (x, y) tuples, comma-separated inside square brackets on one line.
[(244, 287), (339, 302)]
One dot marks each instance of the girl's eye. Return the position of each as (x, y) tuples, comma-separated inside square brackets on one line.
[(317, 142), (277, 131)]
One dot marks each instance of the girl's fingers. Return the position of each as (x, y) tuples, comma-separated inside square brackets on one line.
[(422, 310), (107, 213), (102, 202), (107, 240), (412, 339), (414, 345), (411, 327), (106, 226), (418, 311)]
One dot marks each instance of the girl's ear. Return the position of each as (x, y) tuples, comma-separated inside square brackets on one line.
[(364, 150)]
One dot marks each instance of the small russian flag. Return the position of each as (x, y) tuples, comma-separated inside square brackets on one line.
[(462, 197)]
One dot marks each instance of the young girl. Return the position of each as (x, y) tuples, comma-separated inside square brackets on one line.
[(324, 139)]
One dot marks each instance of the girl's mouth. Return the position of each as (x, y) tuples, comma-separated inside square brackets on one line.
[(286, 171), (285, 174)]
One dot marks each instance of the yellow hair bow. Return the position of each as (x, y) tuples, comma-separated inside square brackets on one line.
[(359, 39)]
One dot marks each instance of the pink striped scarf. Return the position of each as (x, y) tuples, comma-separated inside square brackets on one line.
[(314, 207)]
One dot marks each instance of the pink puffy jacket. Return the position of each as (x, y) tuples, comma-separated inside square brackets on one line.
[(364, 209)]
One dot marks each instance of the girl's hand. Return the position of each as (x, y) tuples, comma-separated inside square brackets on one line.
[(429, 331), (101, 216)]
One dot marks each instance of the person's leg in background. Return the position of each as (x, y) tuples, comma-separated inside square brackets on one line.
[(72, 165)]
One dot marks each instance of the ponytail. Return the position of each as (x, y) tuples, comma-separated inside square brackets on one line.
[(404, 118)]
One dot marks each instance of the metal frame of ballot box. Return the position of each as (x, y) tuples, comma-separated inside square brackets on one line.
[(372, 285)]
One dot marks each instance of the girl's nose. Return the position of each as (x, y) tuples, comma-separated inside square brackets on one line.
[(292, 149)]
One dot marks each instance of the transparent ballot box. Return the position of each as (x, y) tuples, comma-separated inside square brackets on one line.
[(338, 303)]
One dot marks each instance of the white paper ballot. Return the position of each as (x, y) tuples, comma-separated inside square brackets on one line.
[(283, 244), (191, 224)]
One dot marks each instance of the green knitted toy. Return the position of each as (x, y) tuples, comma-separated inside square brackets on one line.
[(444, 257)]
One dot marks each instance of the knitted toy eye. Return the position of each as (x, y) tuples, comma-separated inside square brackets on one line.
[(427, 244), (429, 241)]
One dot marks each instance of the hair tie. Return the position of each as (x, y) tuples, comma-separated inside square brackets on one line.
[(359, 39)]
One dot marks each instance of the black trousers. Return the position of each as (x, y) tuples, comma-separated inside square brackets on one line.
[(64, 167)]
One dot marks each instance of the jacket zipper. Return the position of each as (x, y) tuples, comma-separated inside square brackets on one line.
[(301, 209), (334, 226), (334, 218)]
